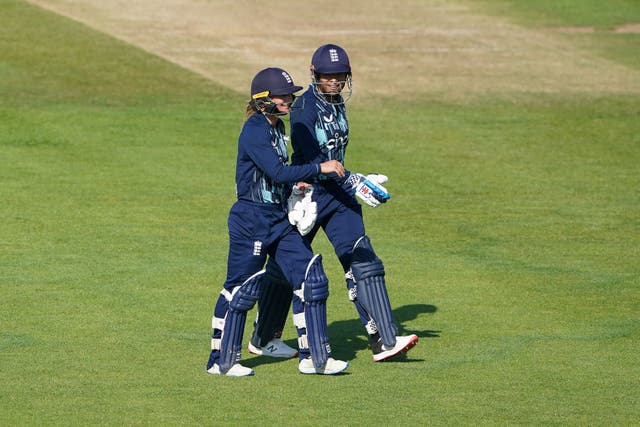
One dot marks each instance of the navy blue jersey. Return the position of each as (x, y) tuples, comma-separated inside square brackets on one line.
[(319, 130), (262, 174)]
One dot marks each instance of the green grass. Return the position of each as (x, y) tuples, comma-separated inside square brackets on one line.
[(511, 246)]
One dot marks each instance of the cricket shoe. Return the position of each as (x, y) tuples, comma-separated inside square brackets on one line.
[(332, 366), (274, 348), (236, 370), (403, 344)]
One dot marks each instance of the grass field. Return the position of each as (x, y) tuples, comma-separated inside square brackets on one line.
[(511, 243)]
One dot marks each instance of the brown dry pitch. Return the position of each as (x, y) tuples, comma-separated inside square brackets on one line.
[(438, 49)]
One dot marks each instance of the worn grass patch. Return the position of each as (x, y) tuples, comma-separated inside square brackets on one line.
[(409, 49)]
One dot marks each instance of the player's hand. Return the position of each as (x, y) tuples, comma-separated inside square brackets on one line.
[(369, 188), (332, 166), (302, 186)]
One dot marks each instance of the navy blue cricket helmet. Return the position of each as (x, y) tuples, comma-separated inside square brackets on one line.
[(272, 82), (330, 59), (268, 83)]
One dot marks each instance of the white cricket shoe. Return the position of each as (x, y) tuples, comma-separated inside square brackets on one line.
[(236, 370), (403, 344), (274, 348), (332, 367)]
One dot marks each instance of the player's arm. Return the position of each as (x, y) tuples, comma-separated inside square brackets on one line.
[(262, 154), (369, 189)]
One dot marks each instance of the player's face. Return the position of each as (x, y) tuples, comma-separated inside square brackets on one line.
[(331, 84), (283, 103)]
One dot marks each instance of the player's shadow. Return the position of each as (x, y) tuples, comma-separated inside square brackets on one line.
[(348, 336)]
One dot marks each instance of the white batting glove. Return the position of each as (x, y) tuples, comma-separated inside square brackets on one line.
[(303, 212), (369, 188)]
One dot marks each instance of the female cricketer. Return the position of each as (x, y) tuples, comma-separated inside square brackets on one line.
[(320, 132), (258, 226)]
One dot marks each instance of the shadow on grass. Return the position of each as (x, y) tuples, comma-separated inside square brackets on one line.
[(348, 336), (411, 312)]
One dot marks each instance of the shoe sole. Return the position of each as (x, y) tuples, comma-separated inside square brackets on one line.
[(211, 372), (405, 349), (254, 350), (306, 372)]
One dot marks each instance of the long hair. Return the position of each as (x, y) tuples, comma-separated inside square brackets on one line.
[(250, 111)]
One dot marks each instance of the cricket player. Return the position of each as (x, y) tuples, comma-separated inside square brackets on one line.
[(259, 226), (320, 132)]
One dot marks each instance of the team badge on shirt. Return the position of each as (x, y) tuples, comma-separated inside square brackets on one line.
[(257, 248)]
